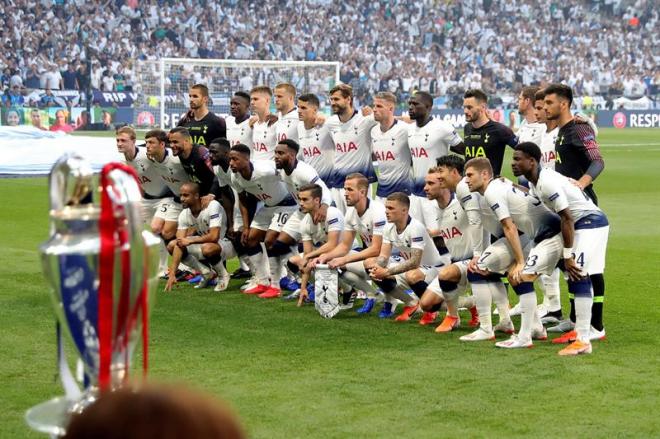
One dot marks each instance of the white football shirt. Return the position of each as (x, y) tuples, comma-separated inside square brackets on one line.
[(559, 193), (393, 156), (286, 126), (172, 173), (426, 144), (264, 140), (454, 226), (301, 175), (238, 132), (547, 145), (150, 180), (318, 233), (527, 212), (370, 224), (213, 216), (352, 141), (318, 150), (530, 132), (414, 236), (265, 183)]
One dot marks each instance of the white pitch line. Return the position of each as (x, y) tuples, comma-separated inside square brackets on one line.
[(623, 145)]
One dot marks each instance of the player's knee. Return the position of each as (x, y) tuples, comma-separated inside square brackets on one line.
[(429, 302), (414, 276), (210, 250), (170, 246)]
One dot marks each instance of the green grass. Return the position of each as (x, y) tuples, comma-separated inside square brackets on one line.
[(290, 373)]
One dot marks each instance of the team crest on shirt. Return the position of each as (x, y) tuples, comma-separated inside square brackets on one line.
[(426, 137), (455, 215), (486, 138)]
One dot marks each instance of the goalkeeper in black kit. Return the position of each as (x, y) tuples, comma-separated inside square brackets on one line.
[(202, 124)]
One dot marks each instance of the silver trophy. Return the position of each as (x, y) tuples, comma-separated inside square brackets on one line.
[(102, 268)]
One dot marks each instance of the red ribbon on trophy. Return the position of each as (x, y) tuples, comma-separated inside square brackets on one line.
[(113, 231)]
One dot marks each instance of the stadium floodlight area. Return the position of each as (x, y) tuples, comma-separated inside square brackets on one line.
[(162, 85)]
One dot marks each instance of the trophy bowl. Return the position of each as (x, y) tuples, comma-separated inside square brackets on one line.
[(102, 269)]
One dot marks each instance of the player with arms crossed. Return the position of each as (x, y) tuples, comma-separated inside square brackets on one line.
[(584, 229), (516, 210), (428, 140), (201, 123), (579, 158), (316, 145), (200, 237), (484, 137), (318, 237), (264, 137), (260, 178), (418, 262), (351, 134), (364, 218)]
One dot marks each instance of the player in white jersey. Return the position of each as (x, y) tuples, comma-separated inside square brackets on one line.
[(171, 172), (264, 137), (295, 175), (428, 139), (461, 240), (318, 236), (550, 132), (316, 146), (365, 219), (259, 178), (389, 145), (517, 210), (156, 196), (351, 134), (585, 231), (286, 126), (486, 289), (417, 263), (200, 238), (531, 129), (238, 124)]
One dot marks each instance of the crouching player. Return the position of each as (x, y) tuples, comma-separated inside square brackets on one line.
[(364, 218), (200, 239), (418, 261), (584, 229), (462, 240), (317, 237)]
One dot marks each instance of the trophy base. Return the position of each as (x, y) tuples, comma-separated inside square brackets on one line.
[(52, 417)]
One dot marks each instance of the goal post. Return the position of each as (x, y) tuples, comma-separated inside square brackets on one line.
[(164, 83)]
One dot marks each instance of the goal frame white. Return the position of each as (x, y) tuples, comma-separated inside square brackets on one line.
[(236, 63)]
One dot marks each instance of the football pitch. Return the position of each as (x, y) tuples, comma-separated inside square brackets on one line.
[(291, 374)]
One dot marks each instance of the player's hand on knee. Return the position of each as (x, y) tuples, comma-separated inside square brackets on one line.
[(572, 270)]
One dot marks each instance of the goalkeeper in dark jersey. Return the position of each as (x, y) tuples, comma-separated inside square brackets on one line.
[(202, 124)]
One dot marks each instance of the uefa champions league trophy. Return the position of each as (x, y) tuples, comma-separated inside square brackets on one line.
[(102, 268)]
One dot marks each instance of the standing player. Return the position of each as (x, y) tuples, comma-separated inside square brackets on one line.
[(238, 123), (531, 129), (484, 137), (351, 134), (260, 178), (202, 125), (264, 137), (516, 210), (156, 196), (318, 236), (315, 141), (584, 229), (486, 289), (286, 126), (200, 237), (389, 144), (365, 219), (416, 265), (428, 139), (579, 158), (549, 137), (295, 175)]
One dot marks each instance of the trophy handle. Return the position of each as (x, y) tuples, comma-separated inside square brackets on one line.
[(70, 182)]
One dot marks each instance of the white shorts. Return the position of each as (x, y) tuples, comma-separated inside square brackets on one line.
[(589, 248), (498, 257), (292, 225), (426, 211), (462, 266), (272, 218), (429, 272), (163, 208), (544, 256)]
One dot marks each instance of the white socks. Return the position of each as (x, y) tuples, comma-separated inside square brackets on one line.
[(583, 317), (527, 315), (483, 301)]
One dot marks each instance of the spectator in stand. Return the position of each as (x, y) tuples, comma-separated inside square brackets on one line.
[(70, 78), (32, 77), (48, 100), (60, 123), (13, 97)]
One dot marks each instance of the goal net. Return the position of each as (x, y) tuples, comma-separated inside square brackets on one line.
[(162, 85)]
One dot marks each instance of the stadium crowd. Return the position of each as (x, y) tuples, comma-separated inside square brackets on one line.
[(601, 47)]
